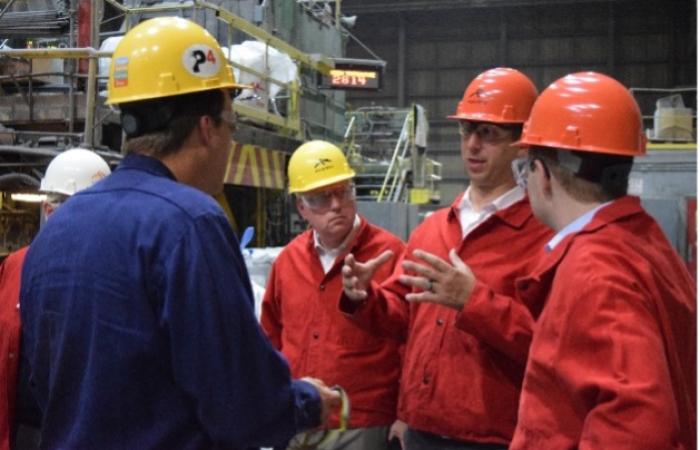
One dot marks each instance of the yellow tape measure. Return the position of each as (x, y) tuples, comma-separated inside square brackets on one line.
[(312, 440)]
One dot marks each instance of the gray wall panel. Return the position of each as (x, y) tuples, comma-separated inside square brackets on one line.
[(481, 53), (643, 44), (422, 55), (590, 49), (450, 82), (422, 82), (399, 218), (522, 51), (555, 50), (453, 54)]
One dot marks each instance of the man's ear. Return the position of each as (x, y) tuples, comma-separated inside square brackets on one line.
[(206, 129), (47, 208), (301, 207), (544, 178)]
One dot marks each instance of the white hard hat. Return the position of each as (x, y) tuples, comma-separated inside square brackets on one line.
[(73, 170)]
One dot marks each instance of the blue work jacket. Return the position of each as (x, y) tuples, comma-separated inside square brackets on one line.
[(139, 327)]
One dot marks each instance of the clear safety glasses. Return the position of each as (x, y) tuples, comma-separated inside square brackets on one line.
[(487, 132), (520, 168), (322, 200)]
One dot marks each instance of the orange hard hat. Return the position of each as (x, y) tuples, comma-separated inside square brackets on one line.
[(586, 111), (500, 95)]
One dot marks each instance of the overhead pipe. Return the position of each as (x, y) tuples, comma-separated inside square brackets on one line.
[(17, 180), (6, 8)]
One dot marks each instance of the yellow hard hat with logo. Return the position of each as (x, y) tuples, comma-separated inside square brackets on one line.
[(167, 56), (317, 164)]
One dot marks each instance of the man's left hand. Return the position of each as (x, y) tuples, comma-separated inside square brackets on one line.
[(446, 283)]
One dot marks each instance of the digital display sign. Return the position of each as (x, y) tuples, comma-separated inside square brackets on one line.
[(354, 74), (354, 79)]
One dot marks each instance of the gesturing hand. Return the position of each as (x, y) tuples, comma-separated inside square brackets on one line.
[(445, 283), (357, 275)]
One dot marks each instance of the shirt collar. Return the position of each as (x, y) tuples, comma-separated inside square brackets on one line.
[(573, 227), (146, 163), (502, 202), (343, 245)]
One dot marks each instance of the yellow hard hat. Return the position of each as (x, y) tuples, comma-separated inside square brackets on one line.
[(316, 164), (167, 56)]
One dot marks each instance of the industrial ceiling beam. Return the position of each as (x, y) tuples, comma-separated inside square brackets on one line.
[(371, 7)]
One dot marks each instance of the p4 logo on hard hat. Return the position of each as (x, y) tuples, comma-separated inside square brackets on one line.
[(201, 61), (478, 96)]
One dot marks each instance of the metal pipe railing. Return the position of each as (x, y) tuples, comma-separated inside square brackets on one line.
[(70, 53), (290, 122), (322, 64), (403, 137)]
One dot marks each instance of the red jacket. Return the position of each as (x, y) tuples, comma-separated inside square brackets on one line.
[(463, 385), (612, 362), (301, 318), (10, 275)]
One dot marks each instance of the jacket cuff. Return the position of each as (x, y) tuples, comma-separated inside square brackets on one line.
[(348, 306), (307, 402)]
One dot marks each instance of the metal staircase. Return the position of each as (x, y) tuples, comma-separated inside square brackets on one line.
[(387, 149)]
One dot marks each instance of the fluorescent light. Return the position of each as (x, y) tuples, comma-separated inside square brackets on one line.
[(27, 197)]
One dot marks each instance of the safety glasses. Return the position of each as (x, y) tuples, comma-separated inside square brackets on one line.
[(322, 200), (487, 132), (520, 167)]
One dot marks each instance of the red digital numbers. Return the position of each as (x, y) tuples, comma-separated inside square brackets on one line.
[(348, 80), (353, 78)]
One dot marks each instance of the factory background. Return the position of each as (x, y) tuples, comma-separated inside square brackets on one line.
[(401, 68)]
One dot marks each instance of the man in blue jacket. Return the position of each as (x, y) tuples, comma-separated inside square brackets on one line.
[(138, 315)]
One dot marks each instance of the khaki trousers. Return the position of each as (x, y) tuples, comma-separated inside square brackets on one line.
[(356, 439)]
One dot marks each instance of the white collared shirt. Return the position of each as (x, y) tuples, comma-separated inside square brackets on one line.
[(575, 226), (470, 218), (327, 256)]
